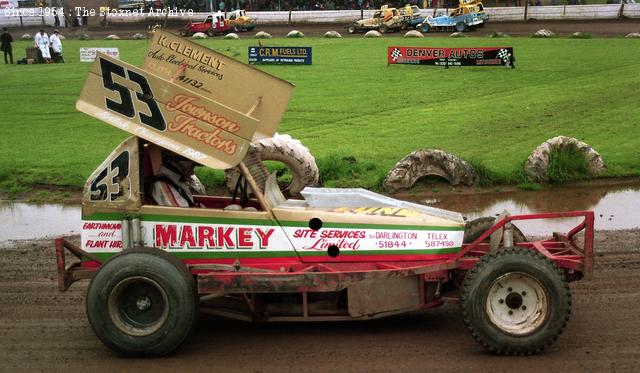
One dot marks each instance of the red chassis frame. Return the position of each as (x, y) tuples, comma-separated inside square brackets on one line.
[(303, 278)]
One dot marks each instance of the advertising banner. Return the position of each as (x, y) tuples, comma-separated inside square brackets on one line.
[(280, 55), (89, 54), (484, 56), (166, 114), (220, 78)]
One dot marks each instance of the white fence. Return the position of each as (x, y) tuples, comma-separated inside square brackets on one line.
[(496, 14)]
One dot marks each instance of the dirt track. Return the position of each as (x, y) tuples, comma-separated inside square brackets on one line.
[(42, 329), (600, 28)]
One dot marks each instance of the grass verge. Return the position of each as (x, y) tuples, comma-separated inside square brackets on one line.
[(350, 105)]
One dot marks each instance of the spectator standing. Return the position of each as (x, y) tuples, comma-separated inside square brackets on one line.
[(56, 19), (56, 46), (42, 43), (5, 45)]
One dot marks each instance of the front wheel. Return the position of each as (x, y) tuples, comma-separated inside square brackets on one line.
[(351, 29), (210, 32), (424, 28), (383, 29), (515, 301), (461, 27), (142, 302), (183, 33)]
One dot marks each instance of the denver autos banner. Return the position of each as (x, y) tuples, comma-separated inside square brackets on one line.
[(485, 56), (280, 55)]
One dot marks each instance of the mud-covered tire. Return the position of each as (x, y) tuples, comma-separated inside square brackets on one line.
[(211, 32), (424, 28), (293, 154), (476, 227), (351, 29), (383, 29), (142, 302), (461, 27), (184, 33), (515, 301)]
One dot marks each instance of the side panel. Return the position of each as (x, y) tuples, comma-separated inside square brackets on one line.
[(195, 235), (369, 235), (358, 242)]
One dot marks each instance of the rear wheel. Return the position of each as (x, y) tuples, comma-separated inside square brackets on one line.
[(210, 32), (461, 27), (142, 302), (383, 29), (424, 28), (183, 33), (515, 301), (351, 29)]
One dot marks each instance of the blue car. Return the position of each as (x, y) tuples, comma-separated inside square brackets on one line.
[(452, 22)]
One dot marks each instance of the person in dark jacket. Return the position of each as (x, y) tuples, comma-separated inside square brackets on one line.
[(5, 45)]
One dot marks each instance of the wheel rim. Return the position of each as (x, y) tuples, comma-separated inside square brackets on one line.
[(138, 306), (517, 304)]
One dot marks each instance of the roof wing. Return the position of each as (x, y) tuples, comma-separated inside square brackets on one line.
[(166, 114), (220, 78)]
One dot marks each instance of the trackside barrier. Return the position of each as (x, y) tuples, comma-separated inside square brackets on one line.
[(496, 14)]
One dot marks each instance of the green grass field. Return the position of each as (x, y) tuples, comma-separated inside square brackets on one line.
[(349, 103)]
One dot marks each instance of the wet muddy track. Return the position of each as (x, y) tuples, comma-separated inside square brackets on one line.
[(42, 329)]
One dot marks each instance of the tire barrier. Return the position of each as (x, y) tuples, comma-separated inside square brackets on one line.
[(199, 35), (538, 161), (424, 162), (543, 33), (498, 34), (413, 34), (332, 34), (373, 34), (263, 35), (231, 35), (113, 37), (295, 34), (580, 35), (293, 154)]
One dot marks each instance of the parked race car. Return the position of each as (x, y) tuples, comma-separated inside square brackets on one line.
[(239, 21), (212, 25), (384, 20), (466, 17), (335, 254), (411, 15)]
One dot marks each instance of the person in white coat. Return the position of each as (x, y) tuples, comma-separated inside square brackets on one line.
[(42, 43), (56, 46)]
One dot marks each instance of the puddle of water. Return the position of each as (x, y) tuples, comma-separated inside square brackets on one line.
[(616, 207), (20, 221)]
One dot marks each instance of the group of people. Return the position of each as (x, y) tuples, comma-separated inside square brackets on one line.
[(50, 47)]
